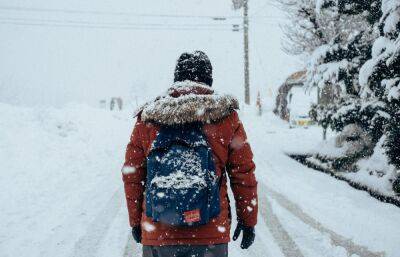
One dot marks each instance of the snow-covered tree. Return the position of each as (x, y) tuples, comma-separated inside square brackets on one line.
[(354, 52), (305, 30), (371, 63), (337, 63), (380, 76)]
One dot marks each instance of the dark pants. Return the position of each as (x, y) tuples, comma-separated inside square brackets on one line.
[(220, 250)]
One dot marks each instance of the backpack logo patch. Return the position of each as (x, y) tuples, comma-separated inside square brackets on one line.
[(192, 216)]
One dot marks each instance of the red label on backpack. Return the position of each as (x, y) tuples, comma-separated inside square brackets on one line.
[(192, 216)]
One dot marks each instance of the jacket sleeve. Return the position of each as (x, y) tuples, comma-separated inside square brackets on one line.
[(240, 168), (134, 174)]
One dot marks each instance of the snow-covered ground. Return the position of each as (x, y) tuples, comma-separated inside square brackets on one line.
[(60, 182), (59, 176), (61, 190)]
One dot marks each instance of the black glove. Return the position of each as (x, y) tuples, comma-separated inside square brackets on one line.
[(137, 234), (248, 235)]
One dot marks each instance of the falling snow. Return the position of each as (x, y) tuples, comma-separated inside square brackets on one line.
[(221, 229), (128, 170), (148, 227)]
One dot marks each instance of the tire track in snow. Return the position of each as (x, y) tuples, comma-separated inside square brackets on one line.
[(287, 245), (88, 244), (336, 239)]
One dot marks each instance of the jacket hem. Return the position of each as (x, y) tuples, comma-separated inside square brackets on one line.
[(197, 241)]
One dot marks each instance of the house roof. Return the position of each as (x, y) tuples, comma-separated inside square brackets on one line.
[(296, 78)]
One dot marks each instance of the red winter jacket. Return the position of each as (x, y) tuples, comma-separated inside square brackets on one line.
[(192, 102)]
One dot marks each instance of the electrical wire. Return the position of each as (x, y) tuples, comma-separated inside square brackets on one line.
[(80, 22), (86, 26), (72, 23), (130, 14)]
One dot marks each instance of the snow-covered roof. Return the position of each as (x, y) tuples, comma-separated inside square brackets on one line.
[(296, 78)]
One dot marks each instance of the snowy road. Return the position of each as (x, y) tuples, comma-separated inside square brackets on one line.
[(286, 244), (87, 244), (74, 206)]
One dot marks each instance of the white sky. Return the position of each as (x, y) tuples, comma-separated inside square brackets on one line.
[(56, 65)]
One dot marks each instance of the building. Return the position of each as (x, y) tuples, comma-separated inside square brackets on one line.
[(284, 97)]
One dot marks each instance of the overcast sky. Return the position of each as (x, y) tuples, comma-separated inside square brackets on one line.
[(51, 59)]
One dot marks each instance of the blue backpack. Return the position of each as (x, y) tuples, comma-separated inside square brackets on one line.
[(182, 187)]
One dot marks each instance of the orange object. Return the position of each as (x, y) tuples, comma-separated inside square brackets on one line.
[(192, 216)]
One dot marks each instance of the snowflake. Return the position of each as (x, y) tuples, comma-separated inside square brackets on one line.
[(148, 227), (128, 170), (221, 229)]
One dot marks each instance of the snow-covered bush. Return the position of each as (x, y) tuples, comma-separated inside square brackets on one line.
[(392, 147), (370, 116), (375, 171), (342, 152)]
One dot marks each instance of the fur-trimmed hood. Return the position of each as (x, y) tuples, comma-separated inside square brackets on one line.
[(187, 102)]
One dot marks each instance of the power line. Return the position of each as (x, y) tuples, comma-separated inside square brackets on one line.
[(84, 26), (130, 14), (83, 22)]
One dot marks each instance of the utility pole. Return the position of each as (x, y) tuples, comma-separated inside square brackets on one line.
[(246, 51)]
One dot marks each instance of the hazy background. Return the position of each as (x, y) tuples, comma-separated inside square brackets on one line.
[(54, 65)]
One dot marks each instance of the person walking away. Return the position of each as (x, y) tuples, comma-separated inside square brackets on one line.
[(184, 146)]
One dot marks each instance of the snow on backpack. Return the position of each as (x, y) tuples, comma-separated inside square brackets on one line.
[(182, 188)]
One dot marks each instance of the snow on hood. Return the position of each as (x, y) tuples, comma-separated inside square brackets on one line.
[(188, 102)]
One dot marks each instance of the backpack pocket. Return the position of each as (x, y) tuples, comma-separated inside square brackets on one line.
[(181, 207)]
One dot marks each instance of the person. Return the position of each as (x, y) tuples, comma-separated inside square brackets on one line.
[(164, 168)]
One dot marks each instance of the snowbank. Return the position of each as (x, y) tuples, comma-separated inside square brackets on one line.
[(375, 172), (59, 169)]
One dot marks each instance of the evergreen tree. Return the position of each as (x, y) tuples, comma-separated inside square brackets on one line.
[(337, 64), (361, 61), (380, 76)]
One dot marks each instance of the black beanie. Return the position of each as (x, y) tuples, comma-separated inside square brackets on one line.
[(194, 67)]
